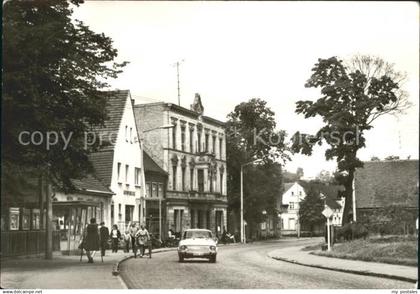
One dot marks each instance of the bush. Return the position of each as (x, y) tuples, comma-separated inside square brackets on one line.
[(351, 231)]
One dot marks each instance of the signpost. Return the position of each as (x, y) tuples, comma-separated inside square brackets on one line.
[(328, 212)]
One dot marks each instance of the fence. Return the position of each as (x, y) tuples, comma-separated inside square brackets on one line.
[(15, 243)]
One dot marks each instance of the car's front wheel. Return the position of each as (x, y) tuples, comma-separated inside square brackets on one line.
[(212, 259)]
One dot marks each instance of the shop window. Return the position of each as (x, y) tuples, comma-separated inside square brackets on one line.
[(154, 190), (14, 219), (129, 211), (112, 213), (160, 190), (26, 219), (36, 218), (200, 219), (178, 216), (148, 189)]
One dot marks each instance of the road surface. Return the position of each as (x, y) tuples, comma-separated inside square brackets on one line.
[(242, 267)]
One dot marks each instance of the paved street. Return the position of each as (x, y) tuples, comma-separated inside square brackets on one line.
[(242, 267)]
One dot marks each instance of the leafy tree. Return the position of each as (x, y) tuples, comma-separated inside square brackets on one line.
[(324, 176), (392, 157), (251, 134), (352, 99), (54, 71), (310, 210), (375, 158), (289, 177), (262, 188)]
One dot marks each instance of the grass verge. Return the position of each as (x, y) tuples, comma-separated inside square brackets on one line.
[(403, 252)]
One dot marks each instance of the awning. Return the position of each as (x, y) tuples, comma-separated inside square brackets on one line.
[(75, 203)]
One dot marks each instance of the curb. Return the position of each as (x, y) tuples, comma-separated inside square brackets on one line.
[(116, 267), (363, 273)]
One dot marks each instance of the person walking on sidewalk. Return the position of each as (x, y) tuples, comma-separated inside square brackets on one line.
[(133, 231), (115, 238), (143, 238), (104, 236), (127, 241), (91, 239)]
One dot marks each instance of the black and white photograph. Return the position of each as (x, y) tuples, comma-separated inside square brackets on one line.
[(219, 145)]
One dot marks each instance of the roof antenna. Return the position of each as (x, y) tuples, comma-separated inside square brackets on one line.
[(177, 76)]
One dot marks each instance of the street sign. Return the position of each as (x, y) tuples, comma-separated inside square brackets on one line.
[(327, 212)]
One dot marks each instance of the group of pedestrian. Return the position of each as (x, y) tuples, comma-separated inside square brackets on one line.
[(139, 238), (94, 238)]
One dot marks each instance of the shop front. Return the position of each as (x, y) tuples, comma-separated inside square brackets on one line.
[(70, 218)]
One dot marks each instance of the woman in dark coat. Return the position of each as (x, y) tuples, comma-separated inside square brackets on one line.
[(91, 239)]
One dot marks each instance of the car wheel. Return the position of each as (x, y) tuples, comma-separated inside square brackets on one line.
[(212, 259), (181, 258)]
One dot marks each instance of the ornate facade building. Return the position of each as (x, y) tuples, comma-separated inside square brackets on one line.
[(193, 153)]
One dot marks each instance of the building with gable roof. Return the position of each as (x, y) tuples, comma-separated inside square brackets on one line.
[(119, 161), (380, 185), (295, 192)]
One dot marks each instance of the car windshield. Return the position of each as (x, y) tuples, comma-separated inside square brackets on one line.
[(197, 234)]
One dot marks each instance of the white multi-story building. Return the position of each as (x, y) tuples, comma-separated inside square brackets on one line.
[(119, 162), (293, 194)]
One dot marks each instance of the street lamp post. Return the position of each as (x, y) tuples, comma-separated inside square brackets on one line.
[(242, 198), (168, 126)]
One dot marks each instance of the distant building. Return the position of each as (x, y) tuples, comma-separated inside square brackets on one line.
[(193, 154), (382, 184), (293, 194), (156, 182)]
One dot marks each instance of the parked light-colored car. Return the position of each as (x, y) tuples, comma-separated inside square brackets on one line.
[(197, 243)]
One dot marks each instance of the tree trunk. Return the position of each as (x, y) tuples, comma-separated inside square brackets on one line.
[(348, 193)]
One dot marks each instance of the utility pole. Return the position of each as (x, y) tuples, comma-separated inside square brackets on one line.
[(49, 216)]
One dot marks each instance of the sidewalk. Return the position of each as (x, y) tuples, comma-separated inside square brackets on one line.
[(297, 256), (63, 272)]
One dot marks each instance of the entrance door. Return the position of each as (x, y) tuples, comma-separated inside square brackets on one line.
[(292, 224), (219, 222)]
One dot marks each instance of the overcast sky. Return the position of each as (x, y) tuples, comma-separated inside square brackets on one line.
[(234, 51)]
